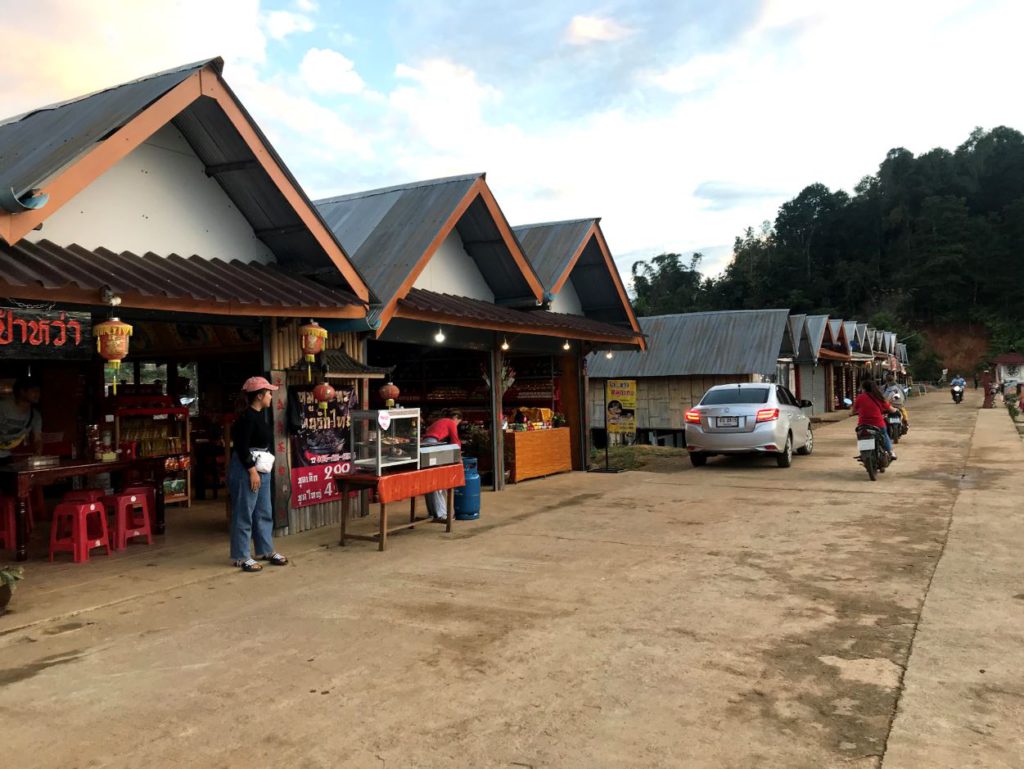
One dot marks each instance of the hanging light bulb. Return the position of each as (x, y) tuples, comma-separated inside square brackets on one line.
[(439, 336), (504, 344), (566, 345), (608, 355)]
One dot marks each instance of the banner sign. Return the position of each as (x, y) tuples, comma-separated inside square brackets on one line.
[(317, 484), (45, 334), (319, 437), (620, 406)]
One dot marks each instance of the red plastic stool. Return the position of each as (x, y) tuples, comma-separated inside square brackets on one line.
[(70, 532), (85, 495), (131, 518), (148, 491), (8, 524), (9, 521)]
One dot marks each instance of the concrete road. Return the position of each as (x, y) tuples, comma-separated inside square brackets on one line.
[(738, 615)]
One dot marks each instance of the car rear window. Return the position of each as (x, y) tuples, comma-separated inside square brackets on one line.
[(735, 395)]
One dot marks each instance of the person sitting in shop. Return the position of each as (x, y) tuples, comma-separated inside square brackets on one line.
[(252, 515), (443, 430), (20, 418)]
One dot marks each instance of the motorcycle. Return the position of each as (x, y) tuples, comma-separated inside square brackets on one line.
[(957, 391), (872, 455), (894, 425)]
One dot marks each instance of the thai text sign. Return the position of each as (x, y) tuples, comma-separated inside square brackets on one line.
[(620, 408), (319, 436), (315, 485), (45, 333)]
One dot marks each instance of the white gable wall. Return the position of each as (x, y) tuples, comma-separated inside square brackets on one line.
[(157, 199), (452, 271), (567, 300)]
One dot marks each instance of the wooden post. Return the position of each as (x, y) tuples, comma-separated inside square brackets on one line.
[(498, 435), (383, 536)]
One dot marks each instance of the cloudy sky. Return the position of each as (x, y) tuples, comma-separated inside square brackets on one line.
[(680, 122)]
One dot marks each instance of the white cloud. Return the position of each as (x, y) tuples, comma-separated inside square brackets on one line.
[(328, 72), (583, 30), (307, 6), (281, 24)]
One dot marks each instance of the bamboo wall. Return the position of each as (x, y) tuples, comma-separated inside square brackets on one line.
[(660, 401), (286, 351)]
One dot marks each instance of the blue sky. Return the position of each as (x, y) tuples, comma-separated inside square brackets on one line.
[(679, 123)]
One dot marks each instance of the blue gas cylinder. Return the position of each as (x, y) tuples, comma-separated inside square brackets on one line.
[(467, 498)]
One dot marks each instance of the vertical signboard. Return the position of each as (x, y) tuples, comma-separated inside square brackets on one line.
[(320, 443), (620, 408)]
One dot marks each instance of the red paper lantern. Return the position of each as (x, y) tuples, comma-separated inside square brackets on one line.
[(311, 339), (389, 393), (324, 394), (112, 343)]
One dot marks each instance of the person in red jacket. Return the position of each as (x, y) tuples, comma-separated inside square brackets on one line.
[(871, 407), (443, 430)]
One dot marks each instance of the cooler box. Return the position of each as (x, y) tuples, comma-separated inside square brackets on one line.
[(442, 454)]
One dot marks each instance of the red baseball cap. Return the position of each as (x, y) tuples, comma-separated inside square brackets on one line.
[(257, 383)]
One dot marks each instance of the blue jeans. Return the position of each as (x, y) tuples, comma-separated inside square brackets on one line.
[(887, 441), (252, 515)]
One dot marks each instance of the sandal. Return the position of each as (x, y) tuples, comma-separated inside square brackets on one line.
[(275, 559), (248, 565)]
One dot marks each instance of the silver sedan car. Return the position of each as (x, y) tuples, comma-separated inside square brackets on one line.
[(748, 419)]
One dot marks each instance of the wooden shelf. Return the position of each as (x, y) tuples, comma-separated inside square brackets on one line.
[(536, 453)]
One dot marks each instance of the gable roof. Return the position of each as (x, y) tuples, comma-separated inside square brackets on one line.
[(797, 324), (850, 331), (61, 149), (577, 251), (814, 337), (393, 232), (862, 337), (701, 344)]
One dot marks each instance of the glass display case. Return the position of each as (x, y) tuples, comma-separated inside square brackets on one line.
[(385, 439)]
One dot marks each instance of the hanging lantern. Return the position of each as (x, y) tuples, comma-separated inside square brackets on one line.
[(324, 394), (389, 393), (311, 337), (112, 343)]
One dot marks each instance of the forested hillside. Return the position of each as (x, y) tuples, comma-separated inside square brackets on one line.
[(925, 242)]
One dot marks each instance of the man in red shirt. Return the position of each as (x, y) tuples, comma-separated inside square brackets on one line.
[(443, 430), (871, 407)]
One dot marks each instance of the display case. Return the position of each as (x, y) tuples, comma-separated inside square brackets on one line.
[(385, 440), (152, 427)]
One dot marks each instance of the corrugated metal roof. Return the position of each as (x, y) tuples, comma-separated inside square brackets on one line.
[(701, 344), (796, 332), (47, 265), (387, 232), (850, 329), (36, 144), (814, 336), (901, 353), (862, 337), (550, 246), (498, 317)]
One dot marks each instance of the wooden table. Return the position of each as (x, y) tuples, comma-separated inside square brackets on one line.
[(399, 486), (536, 453), (20, 478)]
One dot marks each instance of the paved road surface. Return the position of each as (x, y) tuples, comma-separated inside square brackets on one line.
[(738, 615)]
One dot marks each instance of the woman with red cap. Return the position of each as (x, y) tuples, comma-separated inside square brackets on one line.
[(252, 515)]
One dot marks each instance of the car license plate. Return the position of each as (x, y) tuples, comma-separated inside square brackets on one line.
[(727, 422), (894, 420), (866, 444)]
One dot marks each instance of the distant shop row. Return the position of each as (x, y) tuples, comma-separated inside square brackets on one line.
[(818, 358)]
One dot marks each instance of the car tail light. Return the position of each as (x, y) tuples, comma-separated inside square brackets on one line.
[(767, 415), (692, 416)]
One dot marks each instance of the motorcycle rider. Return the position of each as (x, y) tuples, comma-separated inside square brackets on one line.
[(871, 407), (958, 380), (893, 392)]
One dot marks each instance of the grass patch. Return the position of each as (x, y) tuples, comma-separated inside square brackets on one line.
[(658, 459)]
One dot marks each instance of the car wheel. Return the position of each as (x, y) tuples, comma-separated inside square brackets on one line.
[(808, 447), (785, 459), (698, 460)]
